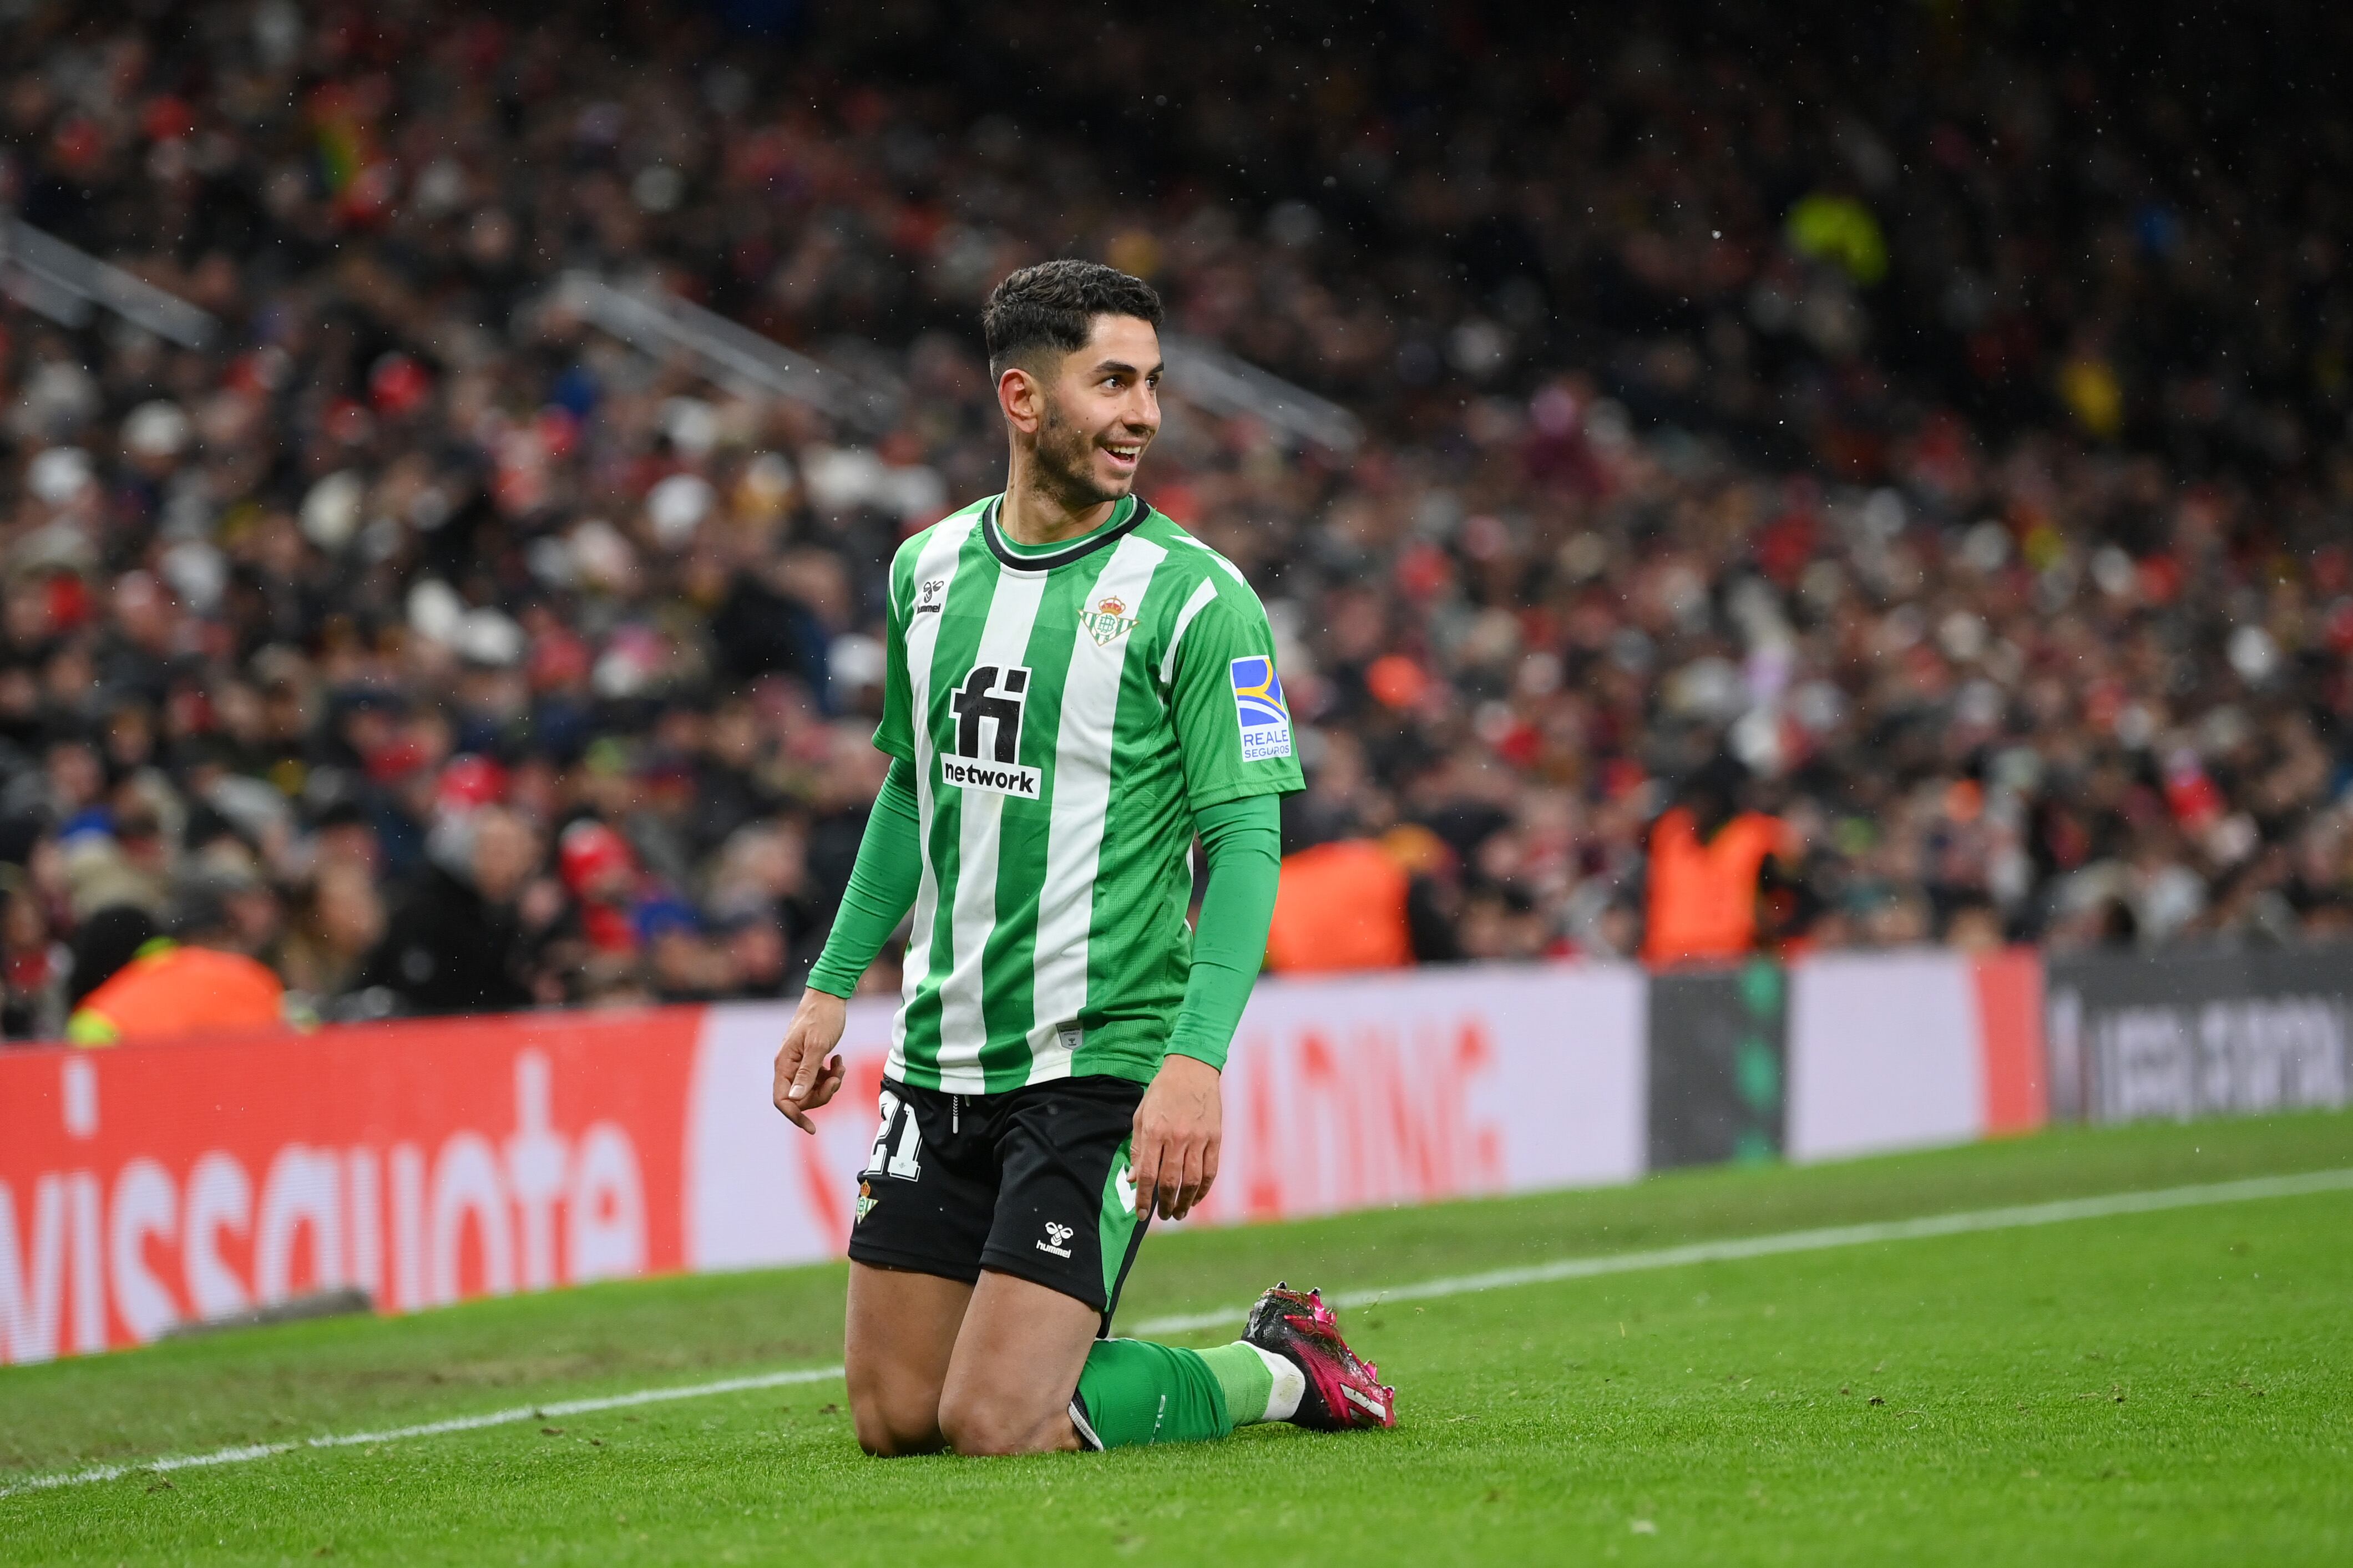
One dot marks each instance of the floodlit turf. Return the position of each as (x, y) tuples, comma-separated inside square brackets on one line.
[(2161, 1387)]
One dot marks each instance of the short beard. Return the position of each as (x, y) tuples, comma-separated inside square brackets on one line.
[(1065, 464)]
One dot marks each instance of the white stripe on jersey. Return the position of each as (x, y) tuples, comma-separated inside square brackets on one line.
[(1082, 749), (1193, 606), (1004, 643), (937, 560), (1231, 570)]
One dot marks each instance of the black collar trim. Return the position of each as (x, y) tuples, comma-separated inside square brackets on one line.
[(1014, 561)]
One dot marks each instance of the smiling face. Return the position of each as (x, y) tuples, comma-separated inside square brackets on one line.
[(1096, 411)]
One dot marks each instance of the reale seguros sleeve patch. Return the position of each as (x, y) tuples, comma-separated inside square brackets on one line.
[(1258, 701)]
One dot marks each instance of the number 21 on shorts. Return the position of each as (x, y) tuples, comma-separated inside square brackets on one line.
[(905, 1160)]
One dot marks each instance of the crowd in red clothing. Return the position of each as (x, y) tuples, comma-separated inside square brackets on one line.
[(1922, 417)]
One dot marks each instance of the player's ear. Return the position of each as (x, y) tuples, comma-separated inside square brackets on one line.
[(1022, 397)]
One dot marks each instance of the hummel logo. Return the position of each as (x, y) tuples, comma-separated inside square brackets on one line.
[(929, 597), (1056, 1234)]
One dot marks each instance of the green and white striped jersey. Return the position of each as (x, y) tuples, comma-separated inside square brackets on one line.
[(1066, 712)]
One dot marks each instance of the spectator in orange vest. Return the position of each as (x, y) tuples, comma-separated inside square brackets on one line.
[(186, 984), (1710, 864), (1340, 906)]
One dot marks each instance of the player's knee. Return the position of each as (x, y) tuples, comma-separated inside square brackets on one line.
[(894, 1419), (888, 1432), (981, 1426), (882, 1441)]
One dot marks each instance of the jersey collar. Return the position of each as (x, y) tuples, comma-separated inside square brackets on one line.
[(1017, 560)]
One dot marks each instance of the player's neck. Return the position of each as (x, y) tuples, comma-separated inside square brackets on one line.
[(1034, 515)]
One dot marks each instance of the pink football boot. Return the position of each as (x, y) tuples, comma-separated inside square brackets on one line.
[(1342, 1392)]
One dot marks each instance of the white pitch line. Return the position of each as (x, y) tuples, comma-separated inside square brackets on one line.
[(546, 1411), (2018, 1216)]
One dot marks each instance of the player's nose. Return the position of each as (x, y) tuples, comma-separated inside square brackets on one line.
[(1140, 415)]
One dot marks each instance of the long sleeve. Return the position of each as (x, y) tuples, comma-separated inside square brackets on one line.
[(883, 884), (1243, 839)]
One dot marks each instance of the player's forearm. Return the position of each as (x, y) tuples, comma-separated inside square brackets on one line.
[(1243, 839), (883, 883)]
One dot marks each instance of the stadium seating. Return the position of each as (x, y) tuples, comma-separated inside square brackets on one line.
[(1963, 453)]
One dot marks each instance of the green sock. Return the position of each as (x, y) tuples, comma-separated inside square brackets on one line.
[(1244, 1378), (1133, 1392)]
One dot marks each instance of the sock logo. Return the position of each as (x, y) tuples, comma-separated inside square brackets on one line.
[(1056, 1236)]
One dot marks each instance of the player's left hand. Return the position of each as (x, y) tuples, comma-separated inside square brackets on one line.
[(1177, 1131)]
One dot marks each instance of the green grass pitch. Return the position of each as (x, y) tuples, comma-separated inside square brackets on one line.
[(2162, 1388)]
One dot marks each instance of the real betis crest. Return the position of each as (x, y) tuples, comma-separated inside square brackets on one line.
[(1108, 621)]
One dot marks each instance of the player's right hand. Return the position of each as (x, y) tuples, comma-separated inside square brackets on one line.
[(809, 1069)]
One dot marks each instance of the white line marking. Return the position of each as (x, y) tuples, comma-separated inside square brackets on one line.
[(546, 1411), (2015, 1217)]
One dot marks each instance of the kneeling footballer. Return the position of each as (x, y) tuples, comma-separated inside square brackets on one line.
[(1075, 690)]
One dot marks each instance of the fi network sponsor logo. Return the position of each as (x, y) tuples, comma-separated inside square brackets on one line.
[(989, 709), (1021, 784)]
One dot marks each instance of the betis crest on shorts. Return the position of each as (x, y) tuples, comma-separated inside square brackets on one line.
[(1258, 701)]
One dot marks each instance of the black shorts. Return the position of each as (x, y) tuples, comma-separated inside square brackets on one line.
[(1032, 1182)]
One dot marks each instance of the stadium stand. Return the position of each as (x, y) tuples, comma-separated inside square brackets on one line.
[(1937, 422)]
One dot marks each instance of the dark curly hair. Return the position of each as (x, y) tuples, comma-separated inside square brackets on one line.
[(1054, 305)]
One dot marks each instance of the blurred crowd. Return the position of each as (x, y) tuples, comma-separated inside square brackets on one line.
[(1934, 436)]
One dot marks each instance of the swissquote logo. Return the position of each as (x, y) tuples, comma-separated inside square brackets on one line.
[(1258, 703), (1108, 621), (1057, 1237), (988, 709)]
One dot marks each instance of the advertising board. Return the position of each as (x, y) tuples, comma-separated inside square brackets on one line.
[(435, 1160), (2199, 1034)]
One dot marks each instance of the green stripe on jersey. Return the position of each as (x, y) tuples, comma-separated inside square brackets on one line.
[(1066, 715)]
